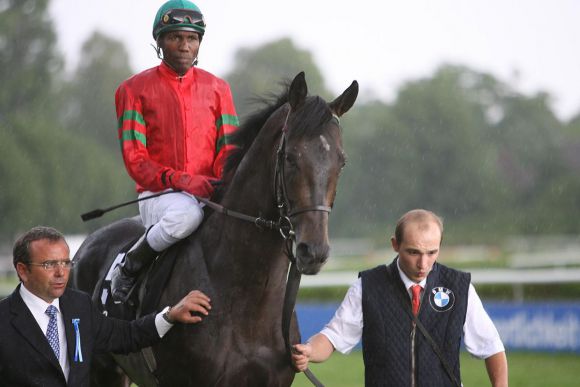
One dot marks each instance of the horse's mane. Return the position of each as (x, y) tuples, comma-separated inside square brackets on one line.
[(247, 132), (315, 112), (245, 135)]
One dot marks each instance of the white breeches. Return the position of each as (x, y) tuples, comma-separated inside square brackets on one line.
[(173, 216)]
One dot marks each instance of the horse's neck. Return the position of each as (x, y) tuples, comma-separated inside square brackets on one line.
[(241, 247), (251, 190)]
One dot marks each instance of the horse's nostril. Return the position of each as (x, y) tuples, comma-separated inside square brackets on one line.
[(303, 250), (313, 255)]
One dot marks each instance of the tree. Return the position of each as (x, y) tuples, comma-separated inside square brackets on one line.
[(260, 71), (490, 160), (29, 64), (29, 69), (104, 64), (50, 174), (426, 150)]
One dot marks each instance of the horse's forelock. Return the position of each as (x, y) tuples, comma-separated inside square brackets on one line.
[(314, 113)]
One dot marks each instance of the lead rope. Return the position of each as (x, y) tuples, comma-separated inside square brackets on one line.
[(294, 275), (292, 286)]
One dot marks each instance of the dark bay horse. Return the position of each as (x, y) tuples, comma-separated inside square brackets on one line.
[(241, 266)]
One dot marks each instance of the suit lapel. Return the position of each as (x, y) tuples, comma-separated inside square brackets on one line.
[(25, 324)]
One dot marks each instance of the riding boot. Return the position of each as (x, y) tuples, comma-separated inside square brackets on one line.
[(125, 274)]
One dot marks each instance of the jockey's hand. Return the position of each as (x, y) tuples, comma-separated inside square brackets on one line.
[(301, 356), (190, 309), (197, 185), (216, 183)]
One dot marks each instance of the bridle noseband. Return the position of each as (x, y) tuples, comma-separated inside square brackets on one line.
[(282, 202)]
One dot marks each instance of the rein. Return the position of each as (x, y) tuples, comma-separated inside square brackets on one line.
[(292, 286)]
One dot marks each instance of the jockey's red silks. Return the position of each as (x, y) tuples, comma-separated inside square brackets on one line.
[(169, 123)]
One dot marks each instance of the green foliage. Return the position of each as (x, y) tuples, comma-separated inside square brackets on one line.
[(54, 178), (90, 108), (465, 145), (261, 70), (490, 160), (52, 171), (29, 65)]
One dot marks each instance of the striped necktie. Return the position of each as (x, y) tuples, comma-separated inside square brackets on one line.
[(52, 330)]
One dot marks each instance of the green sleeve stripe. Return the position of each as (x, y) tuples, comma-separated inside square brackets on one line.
[(131, 115), (221, 142), (131, 135), (227, 119)]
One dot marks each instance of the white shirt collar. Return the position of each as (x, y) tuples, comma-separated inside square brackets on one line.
[(36, 304), (408, 283)]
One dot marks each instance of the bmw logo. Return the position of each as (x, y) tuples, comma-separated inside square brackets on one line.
[(441, 299)]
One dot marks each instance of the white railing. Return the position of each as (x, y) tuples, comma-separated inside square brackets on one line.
[(478, 276)]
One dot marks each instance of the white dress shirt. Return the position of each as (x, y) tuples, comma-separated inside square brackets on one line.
[(37, 307), (480, 336)]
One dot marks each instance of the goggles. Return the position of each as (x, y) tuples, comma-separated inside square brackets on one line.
[(183, 16)]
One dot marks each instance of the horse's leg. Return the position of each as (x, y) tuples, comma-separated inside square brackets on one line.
[(106, 373)]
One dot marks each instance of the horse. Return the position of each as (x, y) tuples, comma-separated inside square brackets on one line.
[(286, 167)]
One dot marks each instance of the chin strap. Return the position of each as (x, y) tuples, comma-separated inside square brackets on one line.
[(159, 54)]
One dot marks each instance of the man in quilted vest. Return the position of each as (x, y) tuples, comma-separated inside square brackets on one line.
[(381, 306)]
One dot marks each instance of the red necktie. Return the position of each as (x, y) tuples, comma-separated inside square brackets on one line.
[(416, 290)]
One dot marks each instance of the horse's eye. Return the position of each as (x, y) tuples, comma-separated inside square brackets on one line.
[(292, 160), (342, 159)]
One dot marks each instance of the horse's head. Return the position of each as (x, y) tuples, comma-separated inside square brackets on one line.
[(310, 160)]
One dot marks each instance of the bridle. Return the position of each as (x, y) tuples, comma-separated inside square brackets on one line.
[(282, 201), (285, 212), (284, 223)]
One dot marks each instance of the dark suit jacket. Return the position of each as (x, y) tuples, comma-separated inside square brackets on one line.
[(26, 358)]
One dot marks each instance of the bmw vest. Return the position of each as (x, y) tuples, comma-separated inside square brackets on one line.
[(390, 340)]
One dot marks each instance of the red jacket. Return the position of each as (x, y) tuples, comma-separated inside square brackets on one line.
[(169, 123)]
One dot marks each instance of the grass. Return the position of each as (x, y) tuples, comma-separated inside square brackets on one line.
[(526, 369)]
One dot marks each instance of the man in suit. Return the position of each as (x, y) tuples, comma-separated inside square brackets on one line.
[(49, 333)]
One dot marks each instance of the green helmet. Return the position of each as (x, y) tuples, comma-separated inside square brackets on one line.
[(178, 15)]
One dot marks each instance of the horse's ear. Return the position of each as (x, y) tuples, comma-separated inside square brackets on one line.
[(345, 101), (298, 91)]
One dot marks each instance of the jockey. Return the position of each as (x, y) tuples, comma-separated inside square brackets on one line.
[(174, 122)]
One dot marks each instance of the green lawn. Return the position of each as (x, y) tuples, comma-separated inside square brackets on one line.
[(525, 370)]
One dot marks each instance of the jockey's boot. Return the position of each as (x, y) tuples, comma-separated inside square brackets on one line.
[(125, 274)]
